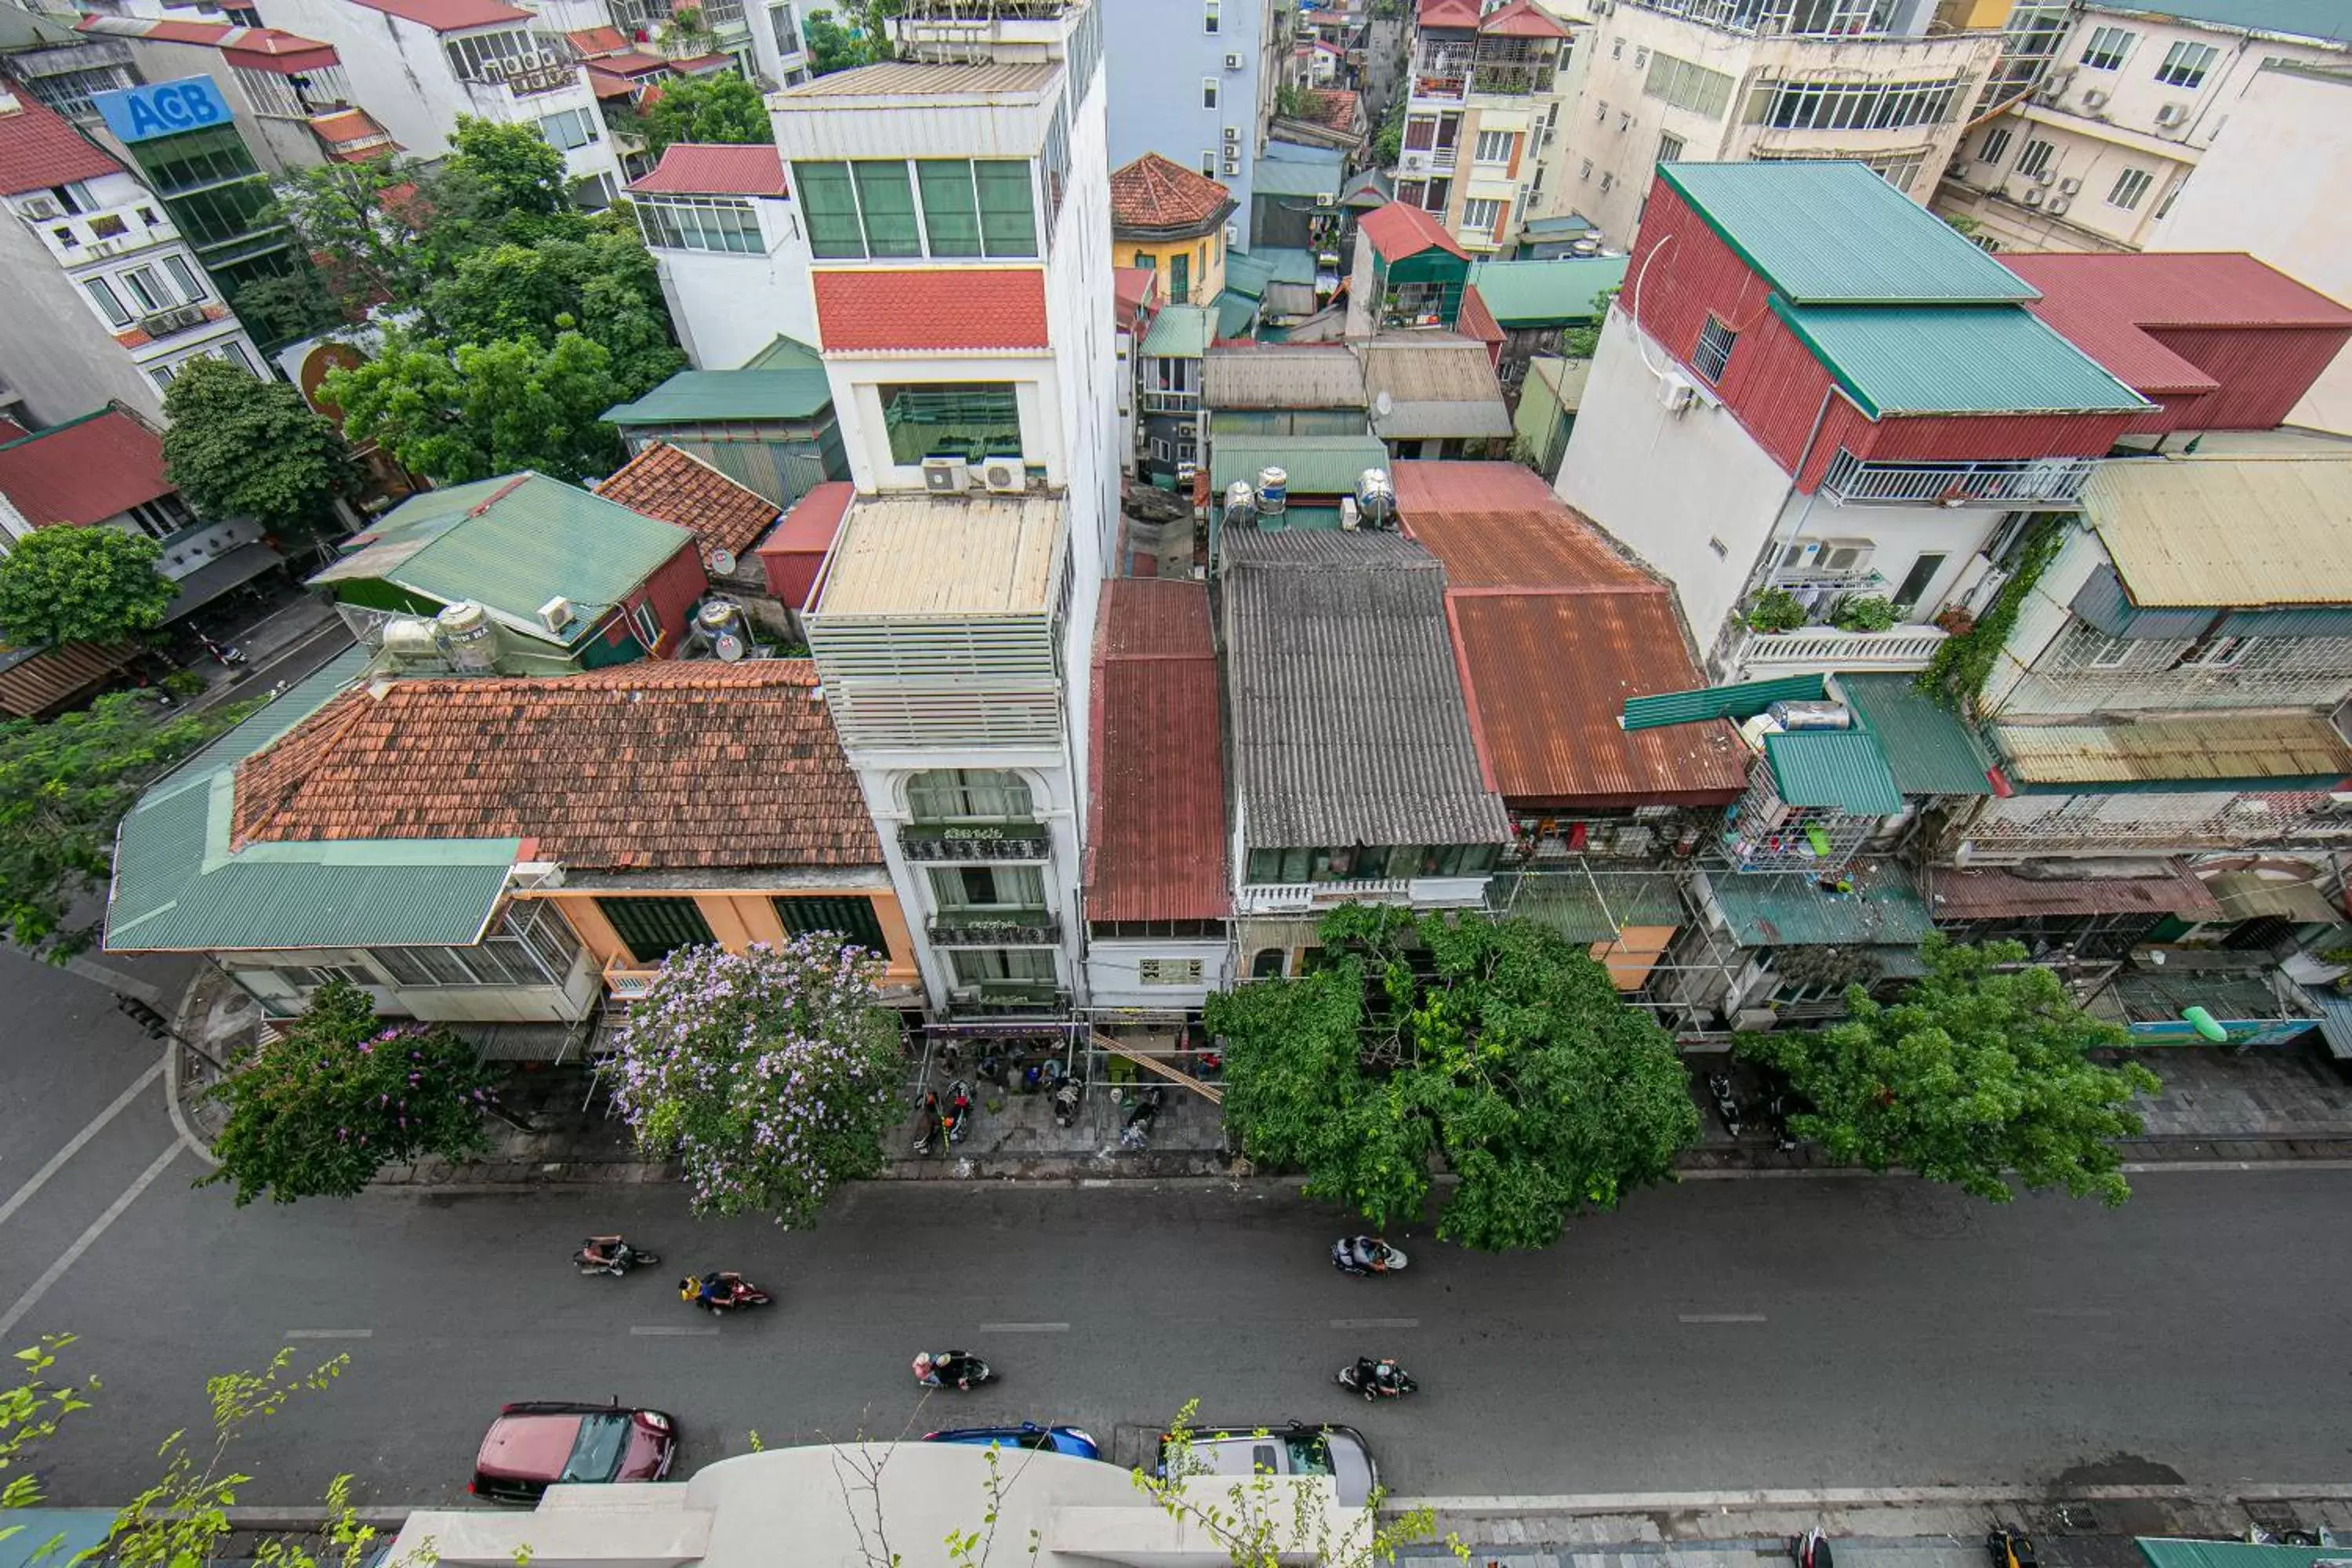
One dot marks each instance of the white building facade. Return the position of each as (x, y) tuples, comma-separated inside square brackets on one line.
[(734, 258)]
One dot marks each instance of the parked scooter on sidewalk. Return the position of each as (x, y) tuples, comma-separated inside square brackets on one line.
[(717, 1290), (610, 1255), (1727, 1103), (953, 1369), (1377, 1379), (1366, 1255), (1066, 1103), (228, 653), (955, 1115), (1811, 1549)]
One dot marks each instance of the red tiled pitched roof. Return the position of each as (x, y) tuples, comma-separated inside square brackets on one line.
[(448, 15), (594, 41), (85, 471), (1475, 320), (1448, 12), (1155, 194), (643, 767), (679, 488), (1159, 847), (931, 308), (705, 169), (1521, 19), (605, 84), (1400, 229), (262, 48), (2108, 305), (1335, 107), (39, 149)]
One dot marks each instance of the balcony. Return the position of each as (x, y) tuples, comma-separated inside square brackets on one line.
[(2055, 483), (1008, 998), (172, 322), (1433, 89), (1301, 897), (1902, 649), (1511, 79), (975, 841), (75, 238), (994, 928)]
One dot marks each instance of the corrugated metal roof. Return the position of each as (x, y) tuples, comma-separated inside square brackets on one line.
[(1841, 769), (2163, 1551), (1435, 387), (1281, 376), (2227, 530), (1159, 849), (2216, 748), (1235, 314), (903, 78), (1546, 293), (2245, 894), (1296, 179), (1400, 229), (1928, 751), (1824, 233), (1790, 909), (1247, 274), (2100, 600), (1597, 907), (2291, 18), (1180, 331), (1926, 359), (1317, 465), (1743, 700), (782, 353), (1991, 892), (915, 555)]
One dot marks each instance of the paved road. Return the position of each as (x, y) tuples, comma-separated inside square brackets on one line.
[(1764, 1333)]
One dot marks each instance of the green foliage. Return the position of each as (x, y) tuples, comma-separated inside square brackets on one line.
[(238, 447), (1495, 1042), (1956, 676), (1775, 610), (604, 285), (65, 783), (1862, 613), (81, 584), (364, 247), (479, 410), (1388, 140), (1977, 1074), (722, 107), (287, 307), (837, 44), (30, 1415), (339, 1095)]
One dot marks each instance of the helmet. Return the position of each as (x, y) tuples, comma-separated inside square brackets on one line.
[(923, 1362)]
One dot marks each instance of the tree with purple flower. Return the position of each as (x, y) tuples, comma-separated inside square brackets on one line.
[(771, 1074)]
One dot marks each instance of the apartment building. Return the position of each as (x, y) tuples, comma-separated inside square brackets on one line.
[(1195, 82), (48, 61), (1725, 81), (732, 253), (1484, 99), (2108, 139), (107, 298), (289, 94), (183, 141), (779, 38)]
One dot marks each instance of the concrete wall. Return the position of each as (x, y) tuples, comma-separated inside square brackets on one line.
[(1114, 977), (1157, 54), (773, 63), (727, 307)]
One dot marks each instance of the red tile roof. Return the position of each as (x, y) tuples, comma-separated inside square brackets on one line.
[(448, 15), (923, 308), (643, 767), (1399, 229), (1521, 19), (702, 169), (1448, 12), (1475, 320), (262, 48), (605, 84), (1136, 289), (338, 132), (1991, 893), (2108, 305), (1156, 194), (84, 471), (594, 41), (1159, 847), (1335, 107), (679, 488), (38, 149)]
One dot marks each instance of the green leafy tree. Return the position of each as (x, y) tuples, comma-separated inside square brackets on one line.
[(238, 447), (1497, 1044), (1978, 1075), (604, 286), (30, 1415), (65, 783), (287, 307), (483, 409), (511, 170), (82, 585), (772, 1074), (722, 107), (1388, 140), (835, 45), (340, 1094), (358, 225)]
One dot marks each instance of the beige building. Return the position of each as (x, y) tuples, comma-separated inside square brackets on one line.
[(1486, 96), (1727, 81), (2095, 157)]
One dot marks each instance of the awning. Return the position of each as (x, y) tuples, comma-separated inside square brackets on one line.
[(1768, 909), (218, 576), (1744, 700), (1597, 907)]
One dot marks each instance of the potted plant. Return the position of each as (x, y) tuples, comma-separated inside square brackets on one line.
[(1862, 613), (1775, 610), (1954, 619)]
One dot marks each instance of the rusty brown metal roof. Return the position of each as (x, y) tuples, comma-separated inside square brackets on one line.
[(1990, 892)]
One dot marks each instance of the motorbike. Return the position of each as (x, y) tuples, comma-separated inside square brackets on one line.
[(226, 653), (1066, 1103), (1137, 1134), (595, 1259), (1727, 1103), (959, 1370), (2011, 1549), (1811, 1549), (1376, 1380), (733, 1292), (955, 1117), (1366, 1255), (927, 1127)]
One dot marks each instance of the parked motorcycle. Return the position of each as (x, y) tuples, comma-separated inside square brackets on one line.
[(1066, 1103), (1137, 1134), (610, 1255), (1811, 1549), (2011, 1549), (1366, 1255), (955, 1115), (1377, 1379), (953, 1369), (1727, 1103), (717, 1291)]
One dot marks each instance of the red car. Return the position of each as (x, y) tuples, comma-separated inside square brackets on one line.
[(532, 1447)]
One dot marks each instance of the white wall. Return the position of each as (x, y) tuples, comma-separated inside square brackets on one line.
[(857, 403), (773, 64), (727, 307), (1114, 976)]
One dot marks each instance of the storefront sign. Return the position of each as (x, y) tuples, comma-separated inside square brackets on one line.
[(163, 109)]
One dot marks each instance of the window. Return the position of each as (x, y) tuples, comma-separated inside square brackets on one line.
[(2108, 48), (162, 376), (951, 212), (1210, 21), (1208, 92), (147, 288), (850, 916), (2186, 63), (1669, 149), (1995, 144), (1616, 48), (971, 420), (110, 303), (1857, 105), (1609, 181), (787, 29), (162, 517), (2130, 186), (1008, 218), (1208, 162), (1179, 279), (867, 209), (191, 287), (830, 202), (1685, 86), (647, 625), (1480, 215), (1267, 963), (530, 946), (1168, 971), (1420, 133), (571, 127), (653, 928), (1021, 965), (887, 198), (700, 223), (499, 52), (1714, 351), (1586, 172), (147, 216), (988, 887), (2110, 653), (2216, 653), (1494, 147), (2035, 159), (968, 795), (1915, 582)]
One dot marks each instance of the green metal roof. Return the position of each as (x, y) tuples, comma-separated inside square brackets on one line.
[(1927, 749), (697, 396), (178, 887), (1961, 359), (1791, 908), (1838, 769), (511, 545), (1296, 180), (785, 353), (1235, 314), (1597, 907), (1833, 232), (1744, 700), (2167, 1552), (2293, 19), (1546, 293), (1180, 331), (1247, 274), (1317, 465)]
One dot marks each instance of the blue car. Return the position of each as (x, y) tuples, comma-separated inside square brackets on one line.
[(1075, 1441)]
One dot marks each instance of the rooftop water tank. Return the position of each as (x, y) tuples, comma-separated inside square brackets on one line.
[(1376, 497), (469, 636), (1272, 491)]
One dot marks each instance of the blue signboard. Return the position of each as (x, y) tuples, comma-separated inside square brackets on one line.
[(138, 114)]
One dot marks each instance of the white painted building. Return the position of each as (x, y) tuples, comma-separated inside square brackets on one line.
[(105, 299), (1487, 91), (778, 39), (289, 94), (734, 259)]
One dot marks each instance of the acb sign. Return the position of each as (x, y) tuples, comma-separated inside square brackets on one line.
[(163, 109)]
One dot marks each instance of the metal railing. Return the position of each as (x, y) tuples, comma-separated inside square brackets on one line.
[(2050, 482), (974, 841), (991, 997), (1000, 928), (1895, 650), (1443, 89), (1289, 897)]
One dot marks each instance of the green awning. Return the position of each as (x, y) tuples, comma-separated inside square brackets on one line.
[(1597, 907), (2170, 1554), (1180, 331), (1835, 770), (1744, 700), (1928, 750)]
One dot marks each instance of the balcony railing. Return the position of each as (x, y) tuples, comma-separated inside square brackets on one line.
[(1513, 79), (1022, 997), (1293, 898), (975, 841), (2046, 482), (994, 928), (1895, 650), (1441, 88), (1171, 402)]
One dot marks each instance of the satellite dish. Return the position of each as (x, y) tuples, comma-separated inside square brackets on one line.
[(729, 648), (1383, 405), (722, 562)]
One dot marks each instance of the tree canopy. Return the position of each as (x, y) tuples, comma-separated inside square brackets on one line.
[(854, 38), (1978, 1075), (82, 585), (238, 447), (603, 284), (1497, 1044), (479, 410), (722, 107)]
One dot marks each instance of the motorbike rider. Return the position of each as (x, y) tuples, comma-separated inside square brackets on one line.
[(604, 1250), (711, 1292), (946, 1366), (1378, 1376), (1370, 1254)]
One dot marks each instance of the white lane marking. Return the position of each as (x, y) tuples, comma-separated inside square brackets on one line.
[(2069, 1312), (87, 1238), (672, 1331), (1024, 1328), (1376, 1323), (330, 1333), (97, 1125), (1719, 1317)]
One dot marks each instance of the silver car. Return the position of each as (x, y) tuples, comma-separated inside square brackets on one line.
[(1289, 1449)]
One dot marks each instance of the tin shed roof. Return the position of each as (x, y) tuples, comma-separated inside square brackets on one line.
[(1282, 376), (1743, 700), (1434, 386), (1928, 751), (1180, 331), (1992, 892), (692, 396), (1782, 909), (1160, 847), (1908, 359), (2248, 531), (2213, 748), (1546, 293), (1316, 464), (1839, 770)]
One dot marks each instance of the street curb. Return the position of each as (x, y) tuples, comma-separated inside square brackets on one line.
[(183, 1024), (1864, 1497)]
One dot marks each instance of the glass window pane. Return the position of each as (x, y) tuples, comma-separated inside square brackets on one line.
[(830, 204), (888, 200), (108, 301), (971, 420), (1008, 221), (950, 215), (185, 276)]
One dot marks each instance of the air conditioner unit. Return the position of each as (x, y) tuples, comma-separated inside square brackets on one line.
[(2057, 204), (2045, 177), (1844, 555), (963, 994), (1004, 475), (2095, 98), (1233, 164), (2048, 92), (1234, 62), (2172, 114), (1675, 394), (1233, 234), (42, 208), (556, 614), (945, 475), (1327, 198), (2033, 197), (1232, 134), (2068, 187)]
